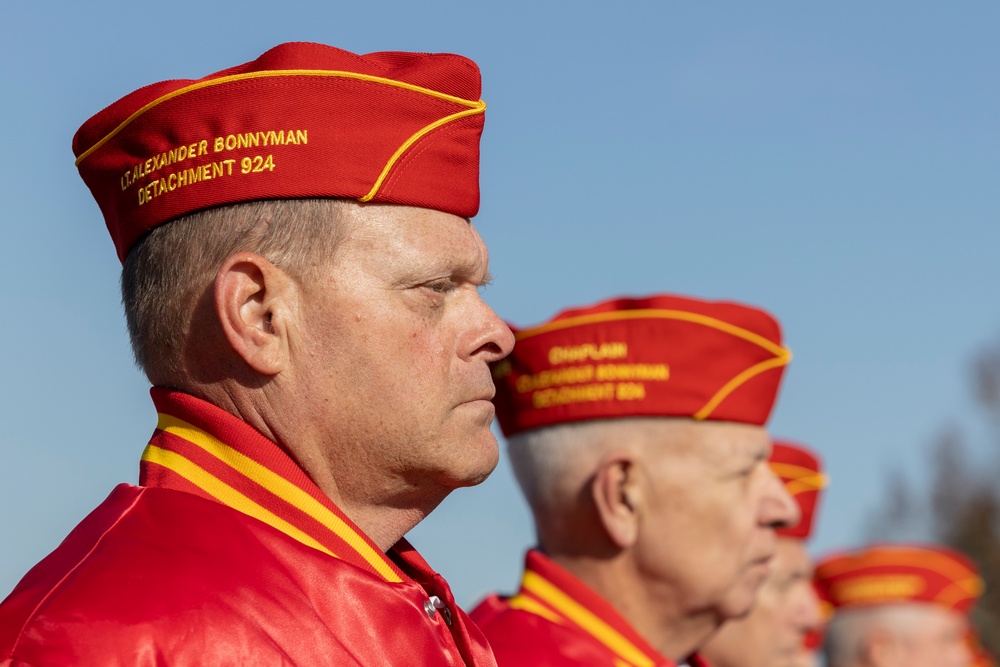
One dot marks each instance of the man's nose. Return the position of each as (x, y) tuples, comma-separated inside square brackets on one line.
[(493, 339), (810, 614), (779, 509)]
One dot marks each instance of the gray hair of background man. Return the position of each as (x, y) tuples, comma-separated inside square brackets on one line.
[(551, 466), (170, 271), (554, 464), (849, 632)]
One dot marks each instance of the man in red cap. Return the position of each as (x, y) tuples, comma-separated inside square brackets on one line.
[(300, 284), (787, 612), (898, 606), (636, 433)]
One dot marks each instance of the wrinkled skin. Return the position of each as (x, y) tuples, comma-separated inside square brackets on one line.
[(787, 610)]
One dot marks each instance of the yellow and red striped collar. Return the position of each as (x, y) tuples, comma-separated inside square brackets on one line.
[(202, 449), (549, 591)]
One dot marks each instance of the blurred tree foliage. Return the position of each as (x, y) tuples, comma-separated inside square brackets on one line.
[(961, 508)]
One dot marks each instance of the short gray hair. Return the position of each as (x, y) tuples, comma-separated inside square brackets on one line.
[(169, 270), (554, 464), (848, 631), (550, 462)]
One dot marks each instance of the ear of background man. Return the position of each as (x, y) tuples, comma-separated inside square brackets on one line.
[(621, 367), (614, 490), (228, 551)]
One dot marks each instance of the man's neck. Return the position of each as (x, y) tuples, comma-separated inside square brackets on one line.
[(646, 607), (372, 501), (385, 526)]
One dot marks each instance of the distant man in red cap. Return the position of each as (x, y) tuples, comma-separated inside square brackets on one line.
[(898, 606), (636, 433), (787, 612), (301, 287)]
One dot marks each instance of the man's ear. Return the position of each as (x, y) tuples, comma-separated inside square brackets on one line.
[(617, 496), (254, 302), (881, 648)]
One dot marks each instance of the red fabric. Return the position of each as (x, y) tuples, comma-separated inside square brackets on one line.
[(658, 356), (980, 656), (521, 637), (247, 442), (889, 574), (353, 128), (159, 575), (800, 470)]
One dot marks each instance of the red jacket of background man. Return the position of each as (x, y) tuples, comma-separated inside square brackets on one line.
[(227, 554), (555, 620)]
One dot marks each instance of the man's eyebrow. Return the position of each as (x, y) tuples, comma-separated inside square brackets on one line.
[(747, 460), (469, 269)]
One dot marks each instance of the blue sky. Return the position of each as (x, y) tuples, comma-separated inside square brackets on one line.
[(834, 163)]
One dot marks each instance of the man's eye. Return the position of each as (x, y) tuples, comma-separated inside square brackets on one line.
[(441, 286)]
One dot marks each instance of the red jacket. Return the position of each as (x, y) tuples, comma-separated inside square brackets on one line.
[(227, 554), (555, 620)]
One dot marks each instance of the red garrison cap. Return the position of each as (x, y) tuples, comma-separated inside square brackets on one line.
[(801, 472), (890, 574), (657, 356), (303, 120)]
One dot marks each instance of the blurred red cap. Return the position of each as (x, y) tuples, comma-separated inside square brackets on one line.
[(887, 574), (800, 470)]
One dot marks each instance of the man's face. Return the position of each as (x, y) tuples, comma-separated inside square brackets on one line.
[(711, 534), (935, 638), (394, 352), (787, 609)]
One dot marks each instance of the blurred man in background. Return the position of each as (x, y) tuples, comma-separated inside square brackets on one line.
[(636, 431), (898, 606), (787, 613)]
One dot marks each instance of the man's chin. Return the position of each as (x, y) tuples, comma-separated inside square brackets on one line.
[(740, 602), (735, 613), (485, 470), (479, 459)]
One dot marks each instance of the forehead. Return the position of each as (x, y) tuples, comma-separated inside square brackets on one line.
[(947, 620), (728, 444), (924, 619), (717, 448), (417, 237)]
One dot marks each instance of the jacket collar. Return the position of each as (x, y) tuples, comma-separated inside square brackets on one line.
[(550, 591), (200, 448)]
